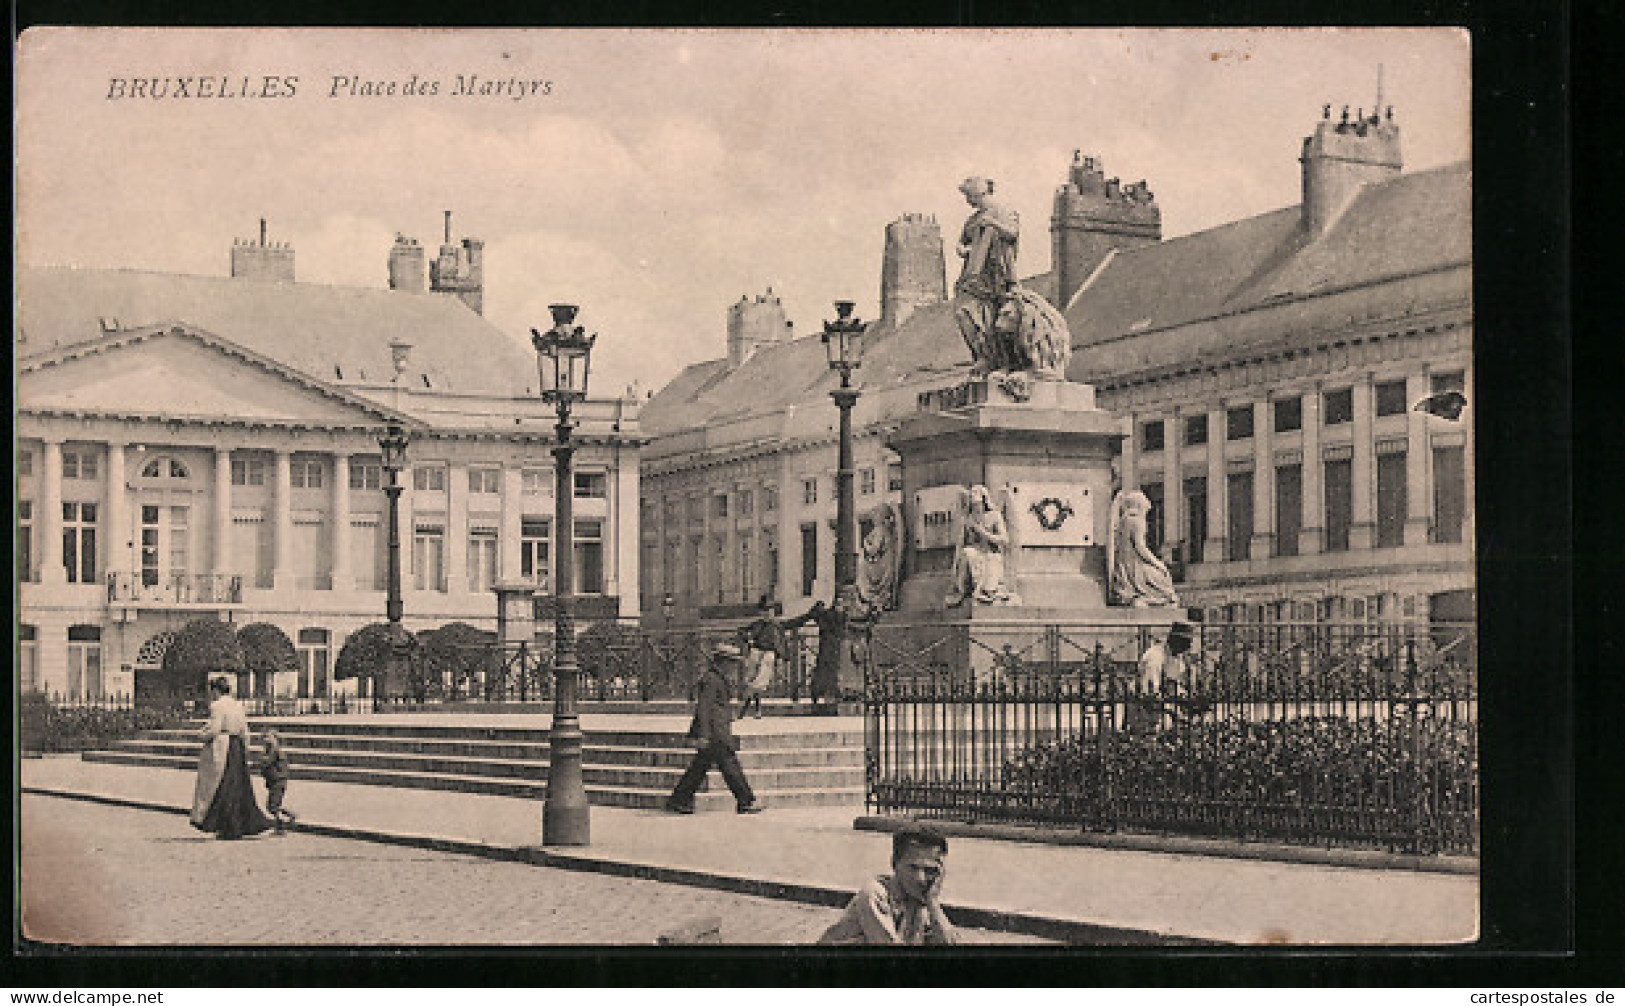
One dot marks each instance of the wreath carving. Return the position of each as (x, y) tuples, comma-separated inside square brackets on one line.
[(1051, 512)]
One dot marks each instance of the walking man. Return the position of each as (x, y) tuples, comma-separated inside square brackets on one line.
[(713, 737)]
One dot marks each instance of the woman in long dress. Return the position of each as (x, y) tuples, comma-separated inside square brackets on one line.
[(1138, 578), (223, 802)]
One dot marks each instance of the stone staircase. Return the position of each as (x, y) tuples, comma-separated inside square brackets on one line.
[(623, 766)]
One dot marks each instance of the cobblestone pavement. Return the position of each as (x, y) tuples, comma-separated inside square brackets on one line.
[(94, 874)]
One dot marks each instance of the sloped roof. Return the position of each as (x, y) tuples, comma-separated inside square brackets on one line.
[(331, 333), (1406, 226)]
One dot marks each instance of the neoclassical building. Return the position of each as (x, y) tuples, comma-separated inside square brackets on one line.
[(1265, 372), (192, 446)]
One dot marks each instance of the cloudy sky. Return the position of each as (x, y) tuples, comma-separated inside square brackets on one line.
[(658, 176)]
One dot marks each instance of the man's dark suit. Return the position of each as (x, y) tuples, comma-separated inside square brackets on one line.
[(713, 734)]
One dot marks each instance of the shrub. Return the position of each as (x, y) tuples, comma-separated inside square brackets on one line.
[(267, 652), (456, 654), (369, 653), (48, 728), (201, 648)]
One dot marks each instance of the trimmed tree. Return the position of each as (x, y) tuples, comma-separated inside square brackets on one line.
[(369, 654), (455, 656), (267, 652), (202, 648)]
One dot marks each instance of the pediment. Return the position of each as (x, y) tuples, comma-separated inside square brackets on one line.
[(180, 375)]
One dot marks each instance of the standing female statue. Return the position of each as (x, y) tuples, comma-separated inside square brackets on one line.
[(987, 243), (1138, 578)]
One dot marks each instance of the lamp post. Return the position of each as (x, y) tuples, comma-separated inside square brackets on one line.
[(843, 344), (562, 356), (392, 445)]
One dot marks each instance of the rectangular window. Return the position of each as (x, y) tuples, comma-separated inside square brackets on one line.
[(1238, 422), (719, 550), (1391, 398), (429, 478), (1339, 504), (866, 482), (1151, 435), (1195, 517), (1449, 494), (84, 662), (484, 481), (25, 540), (894, 477), (589, 556), (25, 463), (534, 551), (1390, 500), (429, 558), (1450, 380), (315, 659), (592, 485), (251, 544), (79, 464), (1338, 407), (363, 474), (369, 556), (482, 560), (180, 535), (809, 558), (809, 492), (674, 559), (746, 501), (1239, 516), (536, 482), (1195, 430), (247, 471), (1154, 528), (1288, 508), (28, 659), (305, 473), (79, 541), (770, 498), (719, 505), (1288, 414)]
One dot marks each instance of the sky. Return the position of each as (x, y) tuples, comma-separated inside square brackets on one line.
[(654, 177)]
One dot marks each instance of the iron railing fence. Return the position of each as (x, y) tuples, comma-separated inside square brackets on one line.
[(1307, 733), (175, 588)]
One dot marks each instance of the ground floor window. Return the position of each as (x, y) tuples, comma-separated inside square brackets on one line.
[(482, 559), (85, 662), (429, 558), (1288, 508), (28, 658), (315, 664), (588, 547), (534, 550)]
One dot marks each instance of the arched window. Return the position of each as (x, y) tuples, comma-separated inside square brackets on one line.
[(164, 468), (152, 651)]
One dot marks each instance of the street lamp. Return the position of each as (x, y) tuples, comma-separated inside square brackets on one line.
[(563, 353), (843, 343), (392, 445)]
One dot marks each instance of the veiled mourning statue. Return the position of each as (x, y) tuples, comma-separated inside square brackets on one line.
[(982, 546), (880, 558), (1007, 328), (1138, 578)]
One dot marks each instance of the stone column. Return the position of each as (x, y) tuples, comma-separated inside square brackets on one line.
[(282, 577), (1263, 481), (1129, 466), (117, 547), (339, 562), (1418, 463), (1312, 536), (1217, 489), (222, 512), (49, 521), (511, 529), (457, 529), (1363, 474), (627, 527), (1173, 480)]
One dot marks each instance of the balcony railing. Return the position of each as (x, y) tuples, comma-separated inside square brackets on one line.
[(174, 588)]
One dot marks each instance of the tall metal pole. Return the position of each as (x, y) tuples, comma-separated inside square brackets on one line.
[(846, 518), (565, 817), (393, 607)]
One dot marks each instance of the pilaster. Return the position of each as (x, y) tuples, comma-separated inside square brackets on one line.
[(49, 520), (222, 511), (1218, 487), (339, 560), (1418, 464), (1263, 544), (1312, 535), (282, 573), (1363, 525)]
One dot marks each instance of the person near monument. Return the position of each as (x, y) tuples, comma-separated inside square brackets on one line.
[(1139, 578), (1165, 671), (223, 800), (763, 641), (979, 562), (832, 624), (712, 735), (904, 906), (987, 243)]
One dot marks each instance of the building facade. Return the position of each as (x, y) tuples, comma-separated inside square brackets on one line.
[(208, 447), (1266, 374)]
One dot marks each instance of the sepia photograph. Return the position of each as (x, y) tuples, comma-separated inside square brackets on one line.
[(527, 488)]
